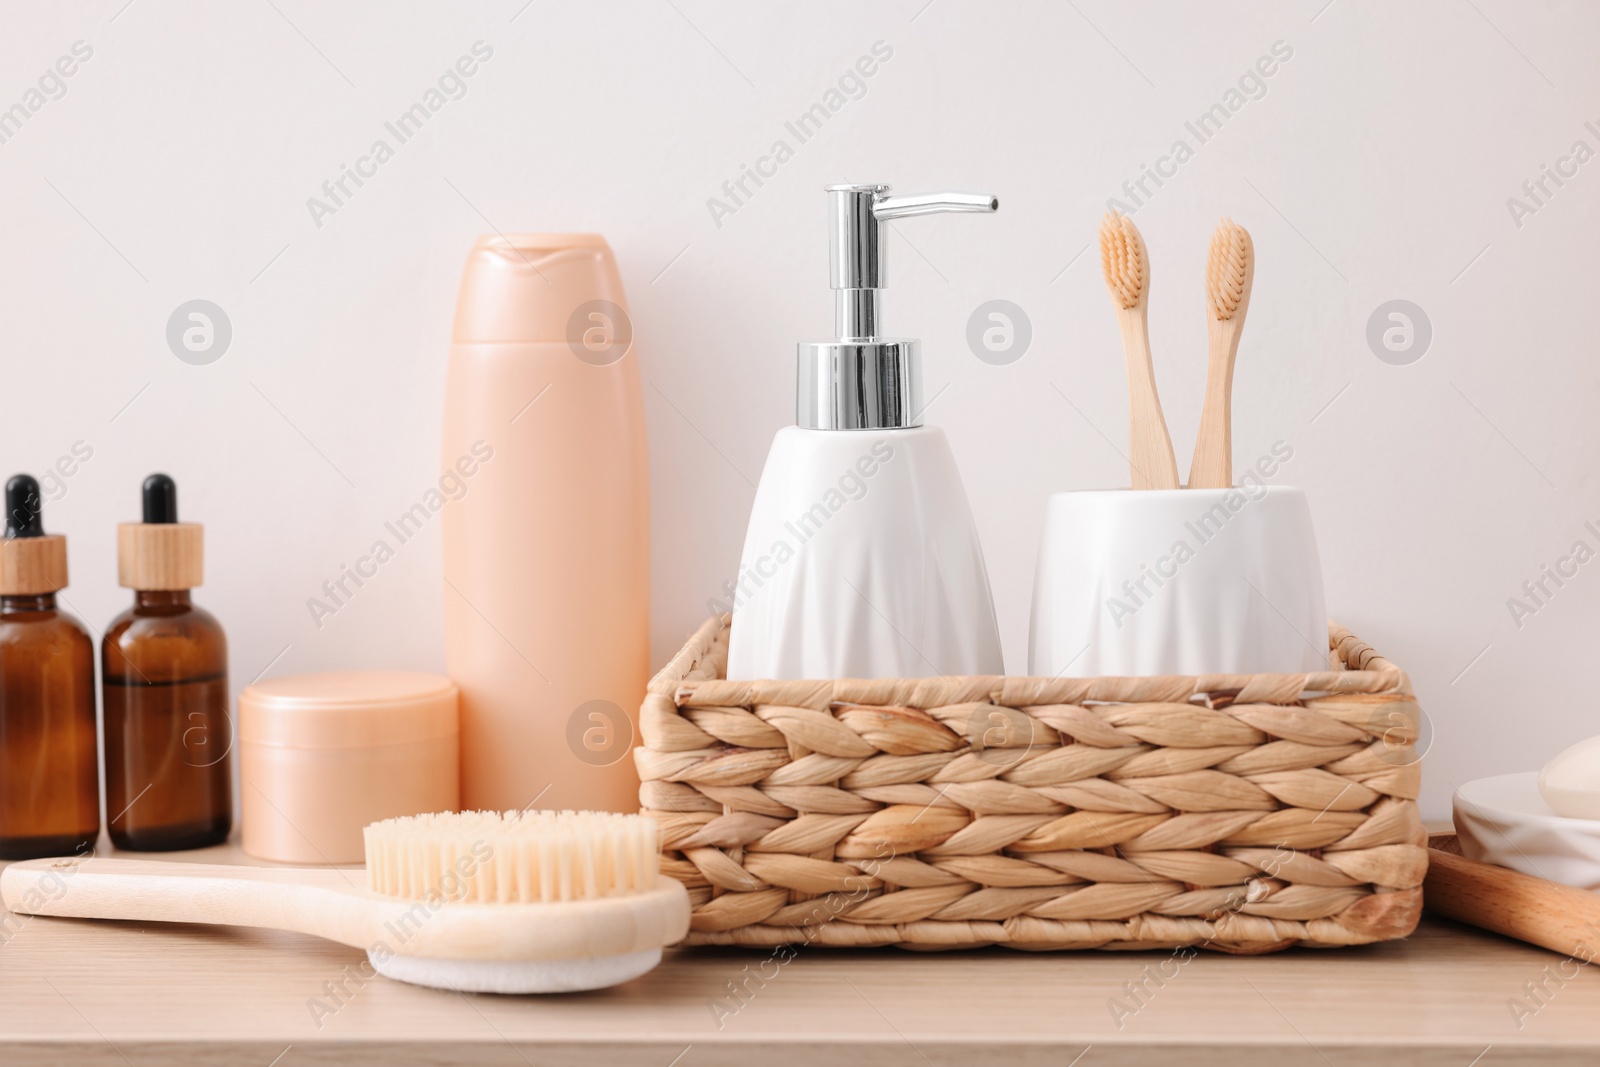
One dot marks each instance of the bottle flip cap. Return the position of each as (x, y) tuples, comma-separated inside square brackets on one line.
[(862, 380), (524, 288), (32, 562), (160, 553)]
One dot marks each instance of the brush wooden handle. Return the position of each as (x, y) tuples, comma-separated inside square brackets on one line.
[(336, 905), (1212, 466), (1150, 457), (319, 902), (1548, 914)]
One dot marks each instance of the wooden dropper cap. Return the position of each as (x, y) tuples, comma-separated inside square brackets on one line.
[(32, 562), (160, 553)]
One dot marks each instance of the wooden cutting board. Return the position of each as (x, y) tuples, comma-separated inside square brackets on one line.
[(1543, 913)]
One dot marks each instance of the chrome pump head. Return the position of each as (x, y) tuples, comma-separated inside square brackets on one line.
[(862, 380)]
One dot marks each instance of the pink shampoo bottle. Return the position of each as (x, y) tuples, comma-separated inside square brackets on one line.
[(546, 552)]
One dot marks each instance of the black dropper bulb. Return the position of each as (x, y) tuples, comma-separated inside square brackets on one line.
[(23, 507), (160, 499)]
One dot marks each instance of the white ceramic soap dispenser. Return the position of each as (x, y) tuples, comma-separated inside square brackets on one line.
[(862, 559)]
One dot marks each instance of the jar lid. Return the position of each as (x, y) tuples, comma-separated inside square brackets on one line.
[(348, 709)]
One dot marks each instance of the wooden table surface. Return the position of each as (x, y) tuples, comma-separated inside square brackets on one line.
[(75, 991)]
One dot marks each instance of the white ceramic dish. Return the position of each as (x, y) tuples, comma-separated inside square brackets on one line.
[(1505, 821), (1185, 581)]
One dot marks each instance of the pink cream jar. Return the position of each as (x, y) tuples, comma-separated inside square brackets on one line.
[(323, 755)]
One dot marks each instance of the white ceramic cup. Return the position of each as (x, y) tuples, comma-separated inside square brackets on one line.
[(1180, 581)]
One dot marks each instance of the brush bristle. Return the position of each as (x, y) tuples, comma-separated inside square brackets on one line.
[(515, 857), (1122, 259), (1227, 268)]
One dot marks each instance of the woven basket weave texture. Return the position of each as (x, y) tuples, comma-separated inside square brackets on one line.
[(1241, 813)]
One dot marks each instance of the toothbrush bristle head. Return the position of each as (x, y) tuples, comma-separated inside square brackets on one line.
[(1228, 268), (1122, 259)]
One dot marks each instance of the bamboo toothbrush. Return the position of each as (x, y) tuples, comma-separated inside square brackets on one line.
[(1230, 272), (1127, 271), (525, 902)]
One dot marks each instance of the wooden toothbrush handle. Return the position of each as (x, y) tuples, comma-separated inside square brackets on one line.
[(1212, 466), (1150, 457), (319, 902)]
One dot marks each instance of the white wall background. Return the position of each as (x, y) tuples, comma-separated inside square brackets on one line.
[(1376, 166)]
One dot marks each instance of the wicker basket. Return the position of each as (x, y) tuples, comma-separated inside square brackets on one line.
[(1243, 813)]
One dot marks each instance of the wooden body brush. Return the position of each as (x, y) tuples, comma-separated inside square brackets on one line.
[(1127, 272), (535, 902), (1230, 273)]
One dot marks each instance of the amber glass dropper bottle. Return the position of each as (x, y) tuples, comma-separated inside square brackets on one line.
[(49, 773), (164, 672)]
